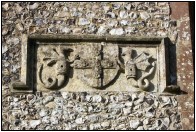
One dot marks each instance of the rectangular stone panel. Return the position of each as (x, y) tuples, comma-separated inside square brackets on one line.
[(92, 63)]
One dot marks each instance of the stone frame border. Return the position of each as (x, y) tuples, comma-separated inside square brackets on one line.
[(25, 85)]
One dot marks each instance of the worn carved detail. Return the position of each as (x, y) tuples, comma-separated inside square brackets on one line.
[(87, 63), (96, 65), (140, 62), (56, 65), (95, 68)]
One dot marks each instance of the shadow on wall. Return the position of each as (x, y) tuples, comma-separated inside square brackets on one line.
[(192, 24), (173, 88), (172, 63)]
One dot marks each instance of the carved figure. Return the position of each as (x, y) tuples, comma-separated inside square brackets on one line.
[(140, 62), (60, 63)]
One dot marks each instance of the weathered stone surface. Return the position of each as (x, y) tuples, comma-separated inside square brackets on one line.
[(66, 66), (42, 19), (134, 124)]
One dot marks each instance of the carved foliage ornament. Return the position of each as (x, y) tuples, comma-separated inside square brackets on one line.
[(59, 63)]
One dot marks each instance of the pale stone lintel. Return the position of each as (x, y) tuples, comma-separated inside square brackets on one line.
[(26, 83)]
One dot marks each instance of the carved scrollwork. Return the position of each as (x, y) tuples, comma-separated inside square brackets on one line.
[(58, 63), (140, 81), (88, 62), (96, 68), (133, 64)]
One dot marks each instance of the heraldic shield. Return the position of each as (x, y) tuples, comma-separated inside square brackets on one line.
[(96, 64)]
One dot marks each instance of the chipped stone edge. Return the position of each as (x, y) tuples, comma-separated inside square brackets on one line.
[(24, 86)]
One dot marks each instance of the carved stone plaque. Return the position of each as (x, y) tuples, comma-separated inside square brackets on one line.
[(89, 63)]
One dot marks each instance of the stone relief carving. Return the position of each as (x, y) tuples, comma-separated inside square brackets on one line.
[(139, 62), (54, 59), (80, 63), (97, 67)]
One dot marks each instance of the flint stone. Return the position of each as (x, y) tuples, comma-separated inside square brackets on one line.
[(5, 6), (128, 6), (134, 123), (150, 112), (117, 31), (106, 8), (112, 23), (165, 100), (121, 127), (111, 14), (140, 128), (42, 113), (129, 30), (105, 124), (93, 118), (134, 96), (18, 8), (126, 111), (4, 30), (34, 123), (102, 30), (79, 120), (116, 6), (85, 128), (46, 120), (48, 99), (83, 21), (95, 126), (14, 41), (20, 27), (123, 14), (34, 6), (4, 49), (133, 15), (97, 98), (54, 120), (76, 14), (77, 30), (65, 95), (166, 121), (115, 106), (144, 15), (65, 30), (95, 7), (146, 121), (90, 15), (124, 22)]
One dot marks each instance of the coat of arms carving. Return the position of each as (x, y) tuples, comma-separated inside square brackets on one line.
[(80, 63), (96, 64)]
